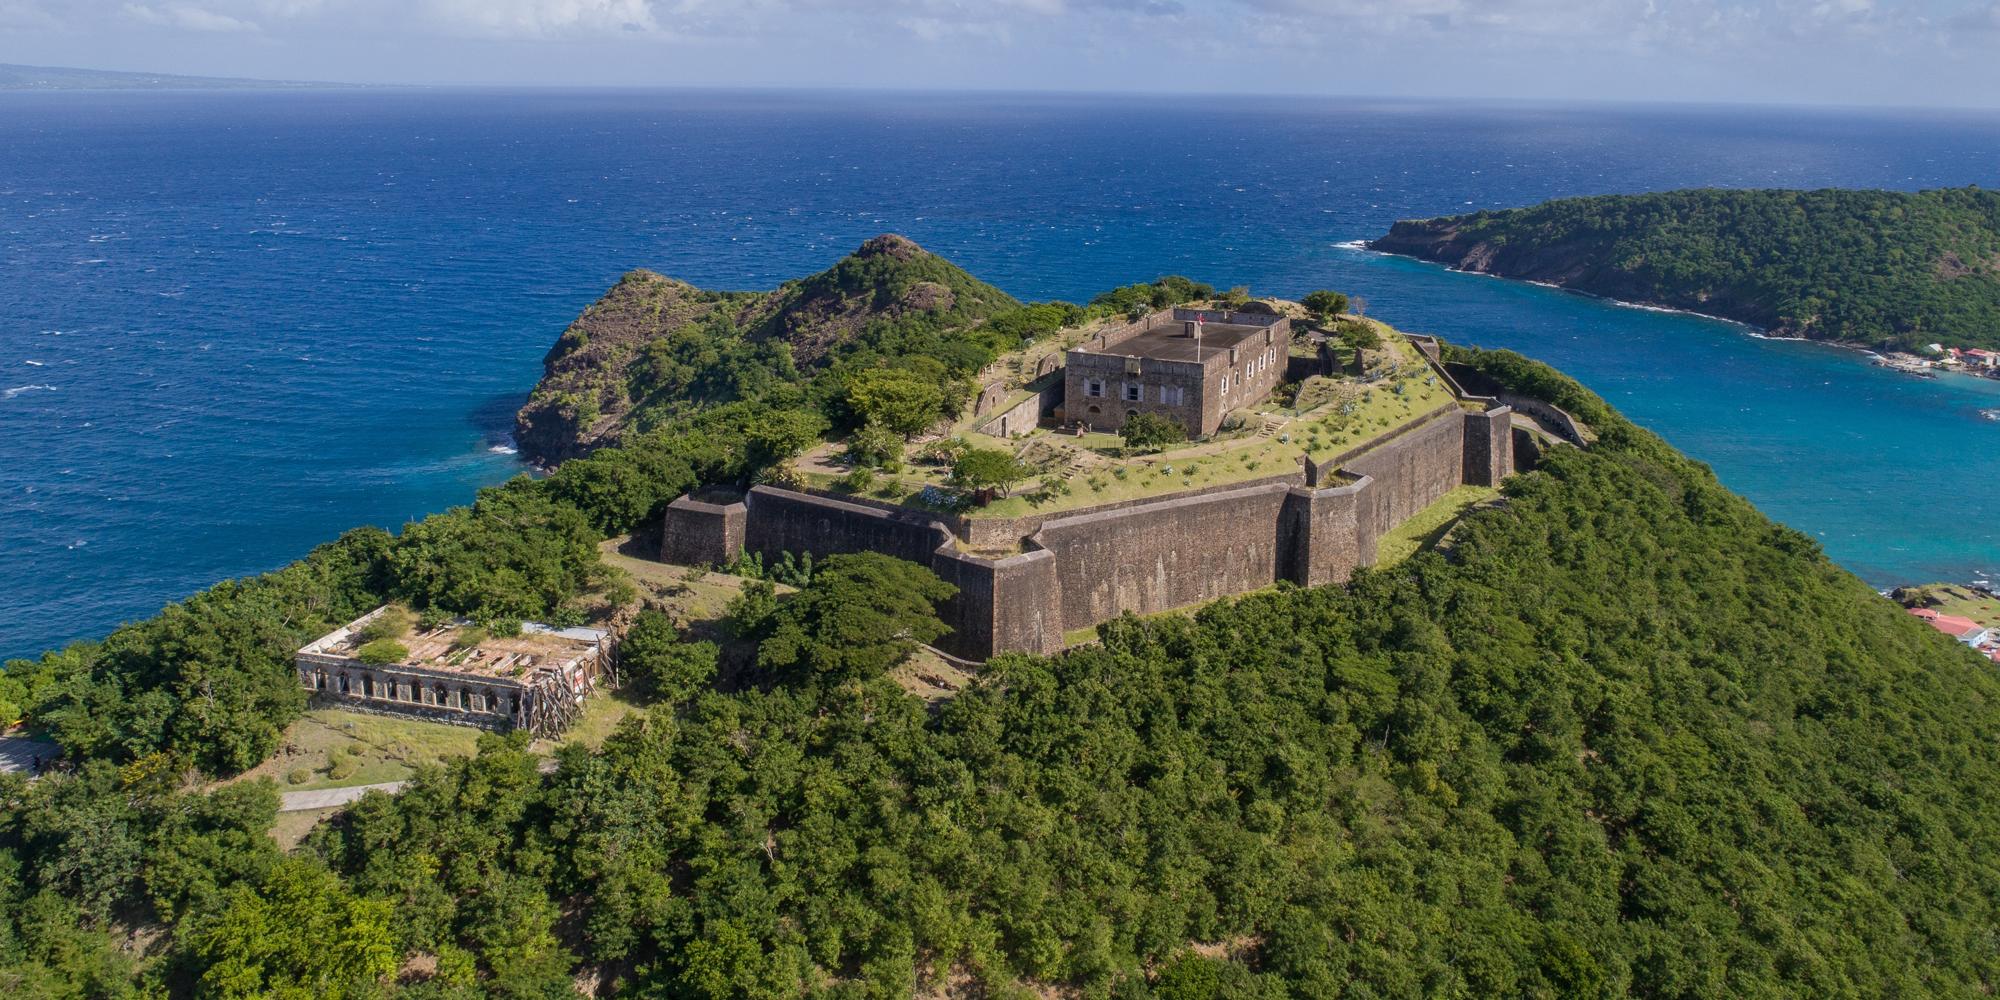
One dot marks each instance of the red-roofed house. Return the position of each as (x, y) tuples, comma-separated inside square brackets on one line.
[(1983, 357), (1963, 629)]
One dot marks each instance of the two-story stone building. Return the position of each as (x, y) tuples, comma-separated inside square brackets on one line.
[(1191, 365)]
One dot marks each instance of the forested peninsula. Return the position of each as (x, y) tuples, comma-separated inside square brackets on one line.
[(1881, 269), (1619, 735)]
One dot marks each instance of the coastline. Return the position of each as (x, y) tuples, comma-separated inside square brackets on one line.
[(1750, 329)]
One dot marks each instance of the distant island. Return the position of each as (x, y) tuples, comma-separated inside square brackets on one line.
[(1881, 269), (14, 77)]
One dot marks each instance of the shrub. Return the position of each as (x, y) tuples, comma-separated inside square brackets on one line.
[(382, 651), (393, 623), (298, 775), (860, 480), (341, 767)]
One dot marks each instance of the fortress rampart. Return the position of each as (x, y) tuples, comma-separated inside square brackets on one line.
[(1076, 569)]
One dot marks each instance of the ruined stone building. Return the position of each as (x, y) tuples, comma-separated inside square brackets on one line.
[(536, 680), (1191, 365)]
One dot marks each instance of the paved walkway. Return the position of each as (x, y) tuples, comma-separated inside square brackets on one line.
[(18, 753), (333, 798), (329, 798)]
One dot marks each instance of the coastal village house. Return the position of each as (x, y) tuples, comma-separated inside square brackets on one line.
[(1190, 365), (1965, 630)]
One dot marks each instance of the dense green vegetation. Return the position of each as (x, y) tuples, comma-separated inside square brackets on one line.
[(1620, 735), (1883, 268)]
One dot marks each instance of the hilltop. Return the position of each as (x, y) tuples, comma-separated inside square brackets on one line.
[(1882, 269), (653, 344), (1615, 733)]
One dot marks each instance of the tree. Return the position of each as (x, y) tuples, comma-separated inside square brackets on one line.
[(1359, 335), (1151, 430), (897, 399), (988, 468), (874, 446), (514, 554), (302, 934), (657, 662), (861, 614), (1327, 305)]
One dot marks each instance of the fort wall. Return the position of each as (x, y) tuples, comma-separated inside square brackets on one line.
[(703, 533), (1075, 570), (1166, 554)]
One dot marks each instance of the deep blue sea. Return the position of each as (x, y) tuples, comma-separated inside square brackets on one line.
[(234, 324)]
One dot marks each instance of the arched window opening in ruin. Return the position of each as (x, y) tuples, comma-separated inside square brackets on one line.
[(367, 686)]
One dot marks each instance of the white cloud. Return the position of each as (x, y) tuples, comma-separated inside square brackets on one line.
[(187, 17), (539, 18)]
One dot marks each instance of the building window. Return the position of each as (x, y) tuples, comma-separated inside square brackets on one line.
[(1094, 387), (1134, 393), (1171, 395)]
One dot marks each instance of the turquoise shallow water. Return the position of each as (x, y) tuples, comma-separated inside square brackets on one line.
[(234, 324)]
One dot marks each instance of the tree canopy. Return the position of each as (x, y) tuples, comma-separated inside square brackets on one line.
[(988, 468), (1886, 268), (1619, 734), (858, 616)]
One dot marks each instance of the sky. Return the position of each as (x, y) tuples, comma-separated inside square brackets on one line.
[(1842, 52)]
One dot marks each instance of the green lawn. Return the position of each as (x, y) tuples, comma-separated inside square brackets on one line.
[(1951, 599), (1424, 529), (336, 748), (602, 713)]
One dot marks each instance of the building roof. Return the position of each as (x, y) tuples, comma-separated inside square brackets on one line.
[(1169, 341), (1956, 626), (445, 647)]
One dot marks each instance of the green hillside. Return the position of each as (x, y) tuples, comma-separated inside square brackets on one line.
[(1881, 268), (653, 348), (1621, 736)]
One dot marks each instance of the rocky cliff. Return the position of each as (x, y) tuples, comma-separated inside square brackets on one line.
[(654, 337)]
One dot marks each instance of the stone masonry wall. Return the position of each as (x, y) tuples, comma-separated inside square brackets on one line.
[(1412, 470), (1143, 557), (782, 521), (1164, 555), (700, 533), (1026, 415), (1489, 446)]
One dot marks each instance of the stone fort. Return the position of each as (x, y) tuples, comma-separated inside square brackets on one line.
[(1188, 365), (1050, 574)]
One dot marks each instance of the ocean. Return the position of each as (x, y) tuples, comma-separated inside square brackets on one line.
[(234, 324)]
